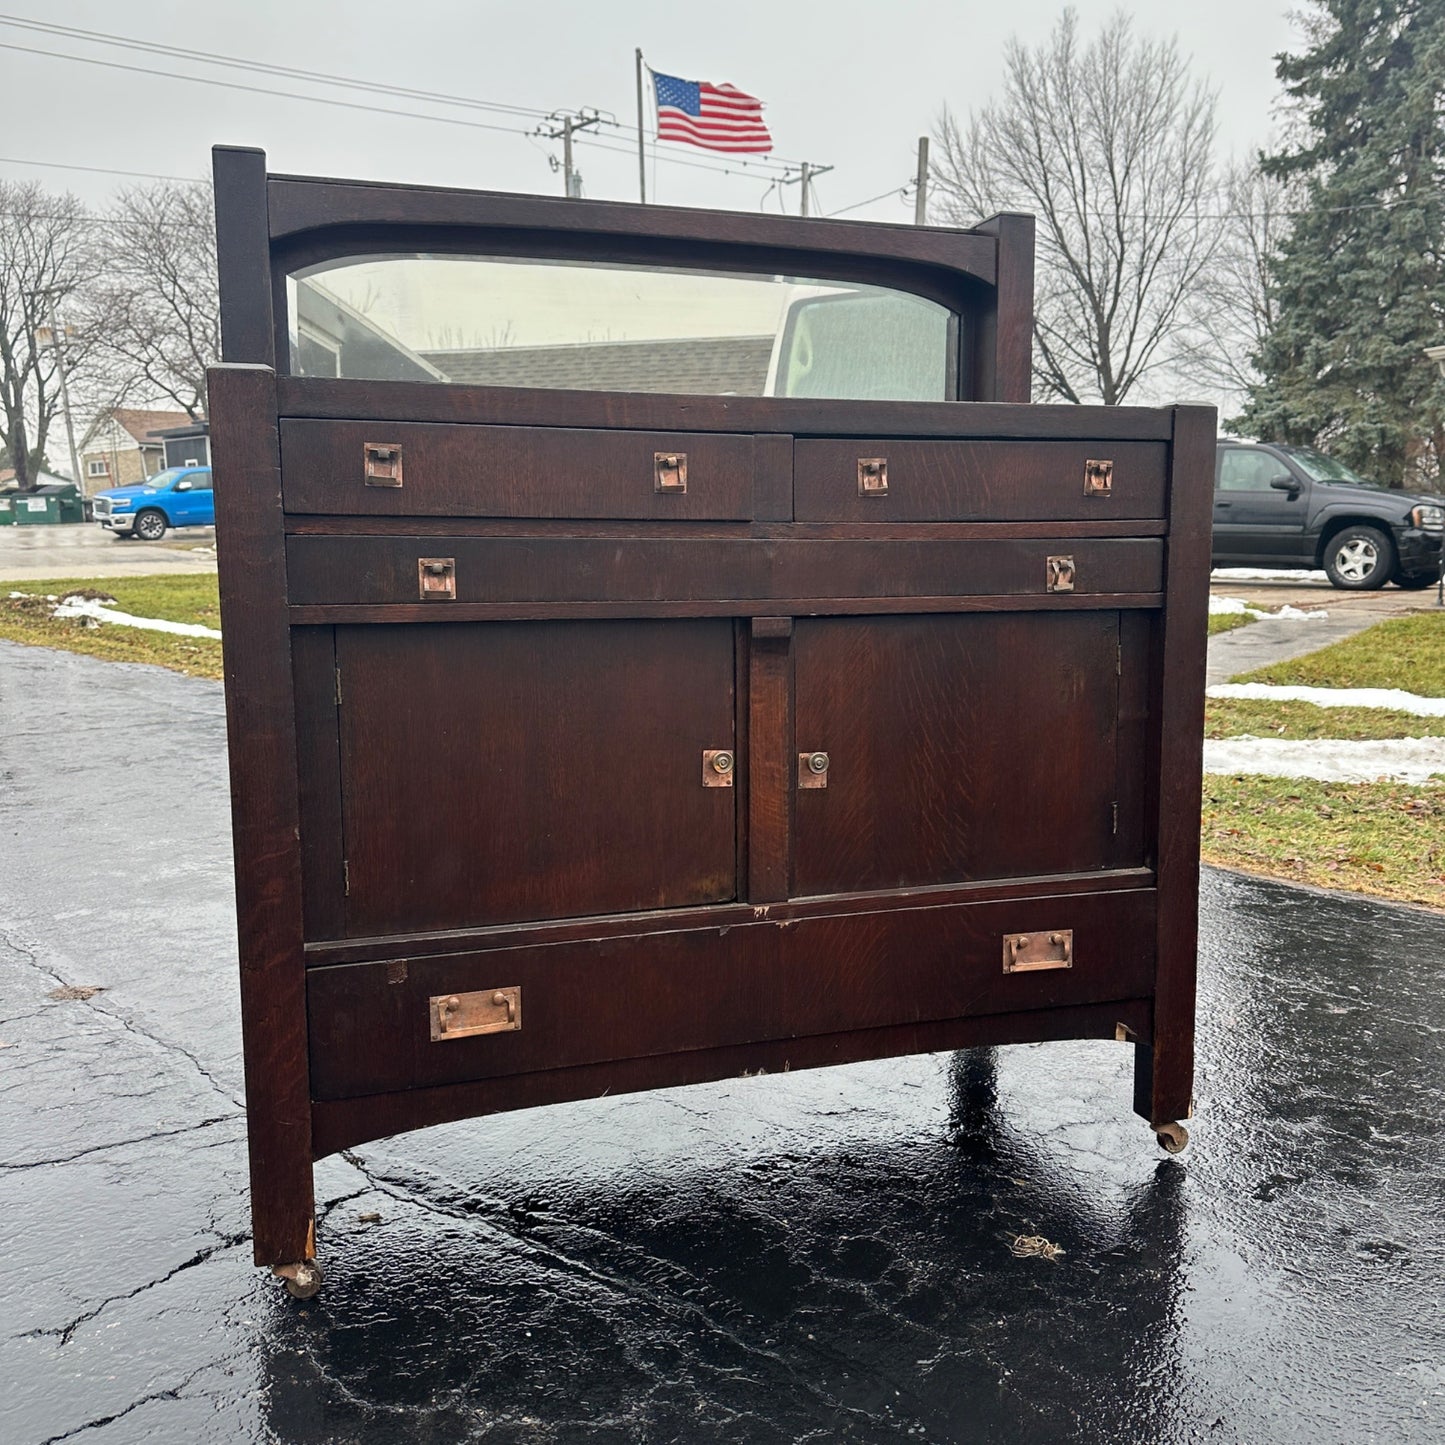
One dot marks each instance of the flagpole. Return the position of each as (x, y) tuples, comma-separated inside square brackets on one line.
[(641, 133)]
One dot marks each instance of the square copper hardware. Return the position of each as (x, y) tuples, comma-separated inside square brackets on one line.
[(812, 770), (464, 1015), (437, 578), (1034, 952), (1099, 479), (382, 464), (1061, 574), (872, 476), (718, 767), (670, 471)]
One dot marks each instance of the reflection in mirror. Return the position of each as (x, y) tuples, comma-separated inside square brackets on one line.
[(590, 326)]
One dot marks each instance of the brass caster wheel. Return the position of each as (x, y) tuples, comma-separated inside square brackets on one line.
[(1172, 1137), (303, 1281)]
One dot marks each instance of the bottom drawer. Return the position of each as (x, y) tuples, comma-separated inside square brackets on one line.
[(381, 1027)]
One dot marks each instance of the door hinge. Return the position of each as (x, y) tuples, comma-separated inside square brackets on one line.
[(1118, 657), (345, 878), (338, 684), (1114, 809)]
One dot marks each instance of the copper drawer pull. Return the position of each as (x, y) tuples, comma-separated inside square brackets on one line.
[(872, 476), (465, 1015), (381, 464), (1035, 952), (437, 578), (669, 471)]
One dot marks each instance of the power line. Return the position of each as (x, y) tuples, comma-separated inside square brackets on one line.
[(98, 170), (211, 57), (900, 191), (100, 37), (212, 82), (731, 169)]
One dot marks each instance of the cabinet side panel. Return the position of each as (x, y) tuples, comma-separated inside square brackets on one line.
[(261, 734), (1181, 749)]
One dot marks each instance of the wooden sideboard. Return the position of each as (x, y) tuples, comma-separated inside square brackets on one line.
[(588, 739)]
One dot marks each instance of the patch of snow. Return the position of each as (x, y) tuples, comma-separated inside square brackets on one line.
[(1237, 606), (83, 607), (1331, 760), (1265, 574), (1391, 697)]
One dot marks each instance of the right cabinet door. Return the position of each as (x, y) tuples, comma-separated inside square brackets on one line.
[(960, 747)]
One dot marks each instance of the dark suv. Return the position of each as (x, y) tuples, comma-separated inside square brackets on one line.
[(1279, 506)]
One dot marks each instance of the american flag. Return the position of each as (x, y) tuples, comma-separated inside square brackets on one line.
[(715, 117)]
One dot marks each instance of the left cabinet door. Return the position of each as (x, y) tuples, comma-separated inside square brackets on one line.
[(500, 772)]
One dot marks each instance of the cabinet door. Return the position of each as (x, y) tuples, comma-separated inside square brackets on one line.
[(497, 772), (960, 747)]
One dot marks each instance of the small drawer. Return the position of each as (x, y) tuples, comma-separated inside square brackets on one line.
[(377, 1028), (421, 469), (978, 481)]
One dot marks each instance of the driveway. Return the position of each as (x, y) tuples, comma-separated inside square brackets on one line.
[(1271, 640), (820, 1256), (84, 549)]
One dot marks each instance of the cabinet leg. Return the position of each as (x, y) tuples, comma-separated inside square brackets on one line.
[(300, 1273), (1162, 1093)]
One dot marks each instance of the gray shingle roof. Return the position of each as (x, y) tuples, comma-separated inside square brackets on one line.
[(705, 365)]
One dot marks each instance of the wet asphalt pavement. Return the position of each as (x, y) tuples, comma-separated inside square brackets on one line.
[(819, 1256)]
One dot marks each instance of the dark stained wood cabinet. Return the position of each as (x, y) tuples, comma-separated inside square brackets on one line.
[(833, 705)]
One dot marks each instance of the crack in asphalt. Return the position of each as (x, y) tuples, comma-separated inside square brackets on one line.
[(621, 1288), (122, 1143), (65, 1332), (174, 1393), (129, 1025)]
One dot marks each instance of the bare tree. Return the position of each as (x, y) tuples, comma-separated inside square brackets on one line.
[(162, 316), (1110, 145), (1233, 309), (47, 258)]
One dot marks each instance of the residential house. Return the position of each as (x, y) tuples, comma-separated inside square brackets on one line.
[(122, 446)]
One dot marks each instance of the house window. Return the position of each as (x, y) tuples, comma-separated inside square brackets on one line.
[(317, 353), (97, 467)]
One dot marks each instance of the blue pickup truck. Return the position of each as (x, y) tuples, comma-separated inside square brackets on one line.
[(178, 497)]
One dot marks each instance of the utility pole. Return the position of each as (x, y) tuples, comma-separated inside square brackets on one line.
[(568, 125), (920, 185), (57, 341), (641, 151), (807, 174)]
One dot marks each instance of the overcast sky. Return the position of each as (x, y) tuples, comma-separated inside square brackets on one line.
[(846, 84)]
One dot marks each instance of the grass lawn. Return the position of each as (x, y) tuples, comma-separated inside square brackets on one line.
[(1232, 717), (1228, 621), (1387, 839), (1406, 652), (176, 599)]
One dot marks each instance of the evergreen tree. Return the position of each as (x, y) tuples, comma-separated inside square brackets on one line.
[(1359, 282)]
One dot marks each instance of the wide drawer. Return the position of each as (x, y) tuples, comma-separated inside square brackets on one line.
[(373, 1026), (370, 571), (967, 481), (422, 469)]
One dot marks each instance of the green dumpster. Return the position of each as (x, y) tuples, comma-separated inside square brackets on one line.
[(7, 507), (47, 506)]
